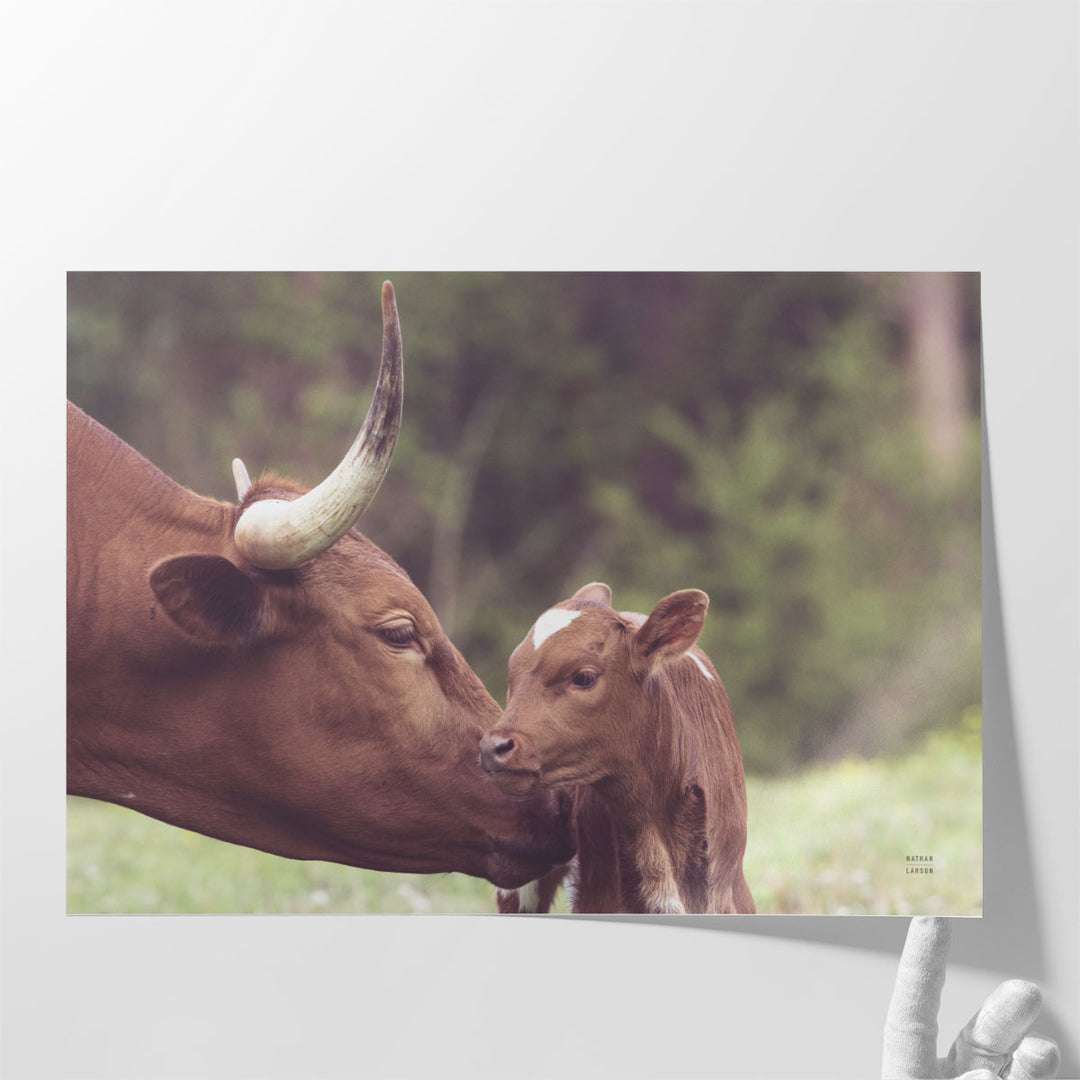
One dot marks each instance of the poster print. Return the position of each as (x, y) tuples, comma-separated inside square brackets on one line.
[(802, 450)]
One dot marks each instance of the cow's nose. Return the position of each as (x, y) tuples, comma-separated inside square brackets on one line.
[(495, 751)]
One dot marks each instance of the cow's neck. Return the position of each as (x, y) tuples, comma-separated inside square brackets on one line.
[(132, 497), (124, 515)]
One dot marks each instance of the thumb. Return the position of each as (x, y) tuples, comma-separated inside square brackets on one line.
[(991, 1035)]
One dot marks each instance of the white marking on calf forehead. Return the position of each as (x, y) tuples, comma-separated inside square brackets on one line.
[(551, 622), (704, 670)]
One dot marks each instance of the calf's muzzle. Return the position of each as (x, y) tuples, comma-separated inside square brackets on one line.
[(506, 758), (497, 751)]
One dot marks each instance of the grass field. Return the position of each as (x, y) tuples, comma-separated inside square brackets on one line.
[(833, 840)]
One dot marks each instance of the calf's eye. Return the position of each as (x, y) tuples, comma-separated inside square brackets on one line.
[(584, 679)]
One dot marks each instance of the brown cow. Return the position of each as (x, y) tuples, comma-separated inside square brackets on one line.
[(632, 715), (265, 675)]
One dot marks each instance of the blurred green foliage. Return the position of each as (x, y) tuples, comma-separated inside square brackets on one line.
[(764, 437)]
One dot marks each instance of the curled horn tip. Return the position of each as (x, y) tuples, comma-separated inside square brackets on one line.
[(276, 537)]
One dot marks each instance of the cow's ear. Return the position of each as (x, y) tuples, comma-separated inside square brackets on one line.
[(671, 629), (208, 597), (595, 590)]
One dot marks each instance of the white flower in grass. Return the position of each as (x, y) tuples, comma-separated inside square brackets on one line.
[(413, 897)]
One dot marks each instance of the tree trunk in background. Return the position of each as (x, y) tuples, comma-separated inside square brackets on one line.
[(932, 311), (453, 514)]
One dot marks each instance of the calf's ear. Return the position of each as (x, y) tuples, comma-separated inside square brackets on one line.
[(595, 590), (671, 629), (208, 597)]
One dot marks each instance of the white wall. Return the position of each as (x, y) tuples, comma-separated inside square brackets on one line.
[(546, 136)]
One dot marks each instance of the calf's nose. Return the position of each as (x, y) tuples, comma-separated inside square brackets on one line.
[(496, 750)]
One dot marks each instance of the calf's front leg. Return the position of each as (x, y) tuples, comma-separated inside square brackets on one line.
[(659, 889)]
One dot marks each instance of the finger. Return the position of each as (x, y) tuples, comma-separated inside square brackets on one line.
[(911, 1023), (1036, 1058), (991, 1035)]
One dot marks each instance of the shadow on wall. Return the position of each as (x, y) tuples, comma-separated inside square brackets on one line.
[(1008, 939)]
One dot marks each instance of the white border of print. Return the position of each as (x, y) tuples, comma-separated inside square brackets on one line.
[(542, 136)]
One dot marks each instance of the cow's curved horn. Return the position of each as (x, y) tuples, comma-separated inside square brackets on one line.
[(276, 534)]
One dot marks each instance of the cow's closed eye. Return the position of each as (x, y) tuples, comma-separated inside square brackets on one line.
[(399, 635), (584, 679)]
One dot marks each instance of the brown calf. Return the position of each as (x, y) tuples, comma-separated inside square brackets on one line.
[(631, 715)]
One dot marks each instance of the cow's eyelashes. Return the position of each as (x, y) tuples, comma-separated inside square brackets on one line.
[(398, 634), (584, 679)]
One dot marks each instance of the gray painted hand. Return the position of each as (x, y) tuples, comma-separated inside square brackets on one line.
[(994, 1043)]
